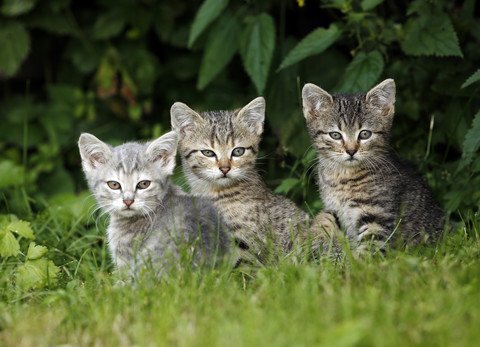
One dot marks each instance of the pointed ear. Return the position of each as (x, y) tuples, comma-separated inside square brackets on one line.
[(93, 151), (382, 97), (162, 151), (315, 100), (183, 118), (253, 115)]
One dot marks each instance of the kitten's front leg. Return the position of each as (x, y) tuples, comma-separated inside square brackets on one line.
[(328, 223), (326, 231)]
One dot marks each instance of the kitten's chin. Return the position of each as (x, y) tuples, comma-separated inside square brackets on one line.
[(224, 182), (351, 163), (127, 213)]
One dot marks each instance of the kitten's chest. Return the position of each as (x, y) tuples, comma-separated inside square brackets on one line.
[(239, 209), (348, 194)]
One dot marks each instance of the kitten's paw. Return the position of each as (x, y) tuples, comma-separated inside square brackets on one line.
[(328, 223), (370, 239)]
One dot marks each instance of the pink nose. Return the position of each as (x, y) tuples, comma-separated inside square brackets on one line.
[(128, 202), (224, 169), (351, 151)]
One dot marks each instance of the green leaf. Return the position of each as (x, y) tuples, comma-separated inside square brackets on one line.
[(472, 79), (55, 23), (21, 228), (222, 44), (11, 8), (314, 43), (35, 251), (471, 143), (362, 72), (431, 34), (257, 43), (9, 245), (37, 274), (11, 174), (209, 10), (286, 185), (367, 5), (72, 208), (14, 48), (109, 25)]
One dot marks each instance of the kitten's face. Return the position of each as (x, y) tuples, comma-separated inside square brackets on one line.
[(131, 179), (350, 130), (218, 149)]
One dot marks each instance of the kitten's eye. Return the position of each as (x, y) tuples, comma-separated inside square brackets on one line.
[(143, 184), (113, 185), (335, 135), (364, 134), (239, 151), (208, 153)]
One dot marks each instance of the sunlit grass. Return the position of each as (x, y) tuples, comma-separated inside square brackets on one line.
[(414, 297)]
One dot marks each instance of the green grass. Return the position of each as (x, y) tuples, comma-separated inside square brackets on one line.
[(414, 297)]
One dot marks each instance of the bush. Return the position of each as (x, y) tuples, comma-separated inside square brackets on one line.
[(115, 68)]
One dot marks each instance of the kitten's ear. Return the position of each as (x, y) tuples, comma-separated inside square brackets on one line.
[(253, 115), (183, 118), (382, 97), (315, 100), (93, 151), (162, 151)]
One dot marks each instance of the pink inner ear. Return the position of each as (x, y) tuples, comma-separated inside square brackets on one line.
[(386, 110), (95, 158), (312, 113)]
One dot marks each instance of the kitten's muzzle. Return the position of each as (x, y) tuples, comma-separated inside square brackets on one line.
[(351, 151), (224, 169), (128, 202)]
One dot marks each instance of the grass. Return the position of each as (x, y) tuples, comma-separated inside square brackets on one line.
[(414, 297)]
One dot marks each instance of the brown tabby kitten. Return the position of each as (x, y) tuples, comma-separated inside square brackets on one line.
[(377, 196), (219, 150)]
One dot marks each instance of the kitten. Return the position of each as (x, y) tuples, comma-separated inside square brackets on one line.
[(377, 196), (219, 151), (150, 218)]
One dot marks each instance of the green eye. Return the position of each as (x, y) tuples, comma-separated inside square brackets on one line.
[(143, 184), (364, 134), (208, 153), (239, 151), (335, 135), (113, 185)]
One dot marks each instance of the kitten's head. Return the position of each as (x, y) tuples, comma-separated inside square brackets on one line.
[(131, 179), (350, 129), (218, 148)]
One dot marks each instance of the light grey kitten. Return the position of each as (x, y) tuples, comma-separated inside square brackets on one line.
[(377, 196), (151, 220), (219, 151)]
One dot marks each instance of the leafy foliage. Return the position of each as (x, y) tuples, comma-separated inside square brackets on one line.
[(314, 43), (36, 271), (431, 34), (256, 48), (208, 12), (15, 47)]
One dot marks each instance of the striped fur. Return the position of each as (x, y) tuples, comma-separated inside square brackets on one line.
[(378, 197), (258, 216), (152, 225)]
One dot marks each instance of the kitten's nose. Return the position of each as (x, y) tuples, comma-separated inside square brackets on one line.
[(224, 169), (128, 202), (351, 151)]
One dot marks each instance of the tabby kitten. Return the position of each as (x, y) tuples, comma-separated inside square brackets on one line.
[(150, 218), (219, 150), (377, 196)]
